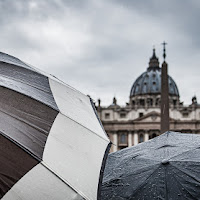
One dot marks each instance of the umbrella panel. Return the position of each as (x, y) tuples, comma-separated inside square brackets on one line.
[(25, 120), (27, 82), (13, 60), (72, 153), (14, 164), (41, 183)]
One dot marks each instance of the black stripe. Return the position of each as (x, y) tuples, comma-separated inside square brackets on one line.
[(14, 164), (6, 58), (22, 147), (102, 171), (105, 154), (25, 121), (27, 82)]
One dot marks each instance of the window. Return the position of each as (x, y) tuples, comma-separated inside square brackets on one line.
[(174, 102), (123, 139), (157, 101), (141, 138), (149, 102), (141, 114), (154, 86), (122, 115), (121, 147), (185, 114), (142, 102), (137, 88), (153, 135), (107, 115), (145, 87)]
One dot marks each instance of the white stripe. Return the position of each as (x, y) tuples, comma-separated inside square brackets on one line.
[(76, 106), (75, 154), (41, 184)]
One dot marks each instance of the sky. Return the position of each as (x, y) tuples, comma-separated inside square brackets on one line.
[(101, 46)]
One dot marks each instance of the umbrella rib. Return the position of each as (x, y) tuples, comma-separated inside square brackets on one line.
[(24, 121), (145, 182), (83, 126), (50, 76), (23, 82), (48, 104), (185, 152), (94, 109), (127, 175), (182, 185), (64, 181), (149, 159), (186, 173), (127, 161), (21, 146)]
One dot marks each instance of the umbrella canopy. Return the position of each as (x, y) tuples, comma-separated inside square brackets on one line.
[(166, 167), (52, 145)]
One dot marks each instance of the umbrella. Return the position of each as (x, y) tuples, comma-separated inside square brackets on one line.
[(166, 167), (52, 145)]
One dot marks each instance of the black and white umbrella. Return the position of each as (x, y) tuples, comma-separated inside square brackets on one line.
[(166, 168), (52, 145)]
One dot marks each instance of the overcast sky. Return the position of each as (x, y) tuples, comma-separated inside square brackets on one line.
[(101, 46)]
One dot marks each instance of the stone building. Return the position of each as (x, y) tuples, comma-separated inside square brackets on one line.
[(139, 120)]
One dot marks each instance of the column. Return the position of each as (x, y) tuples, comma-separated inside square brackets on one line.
[(164, 98), (154, 101), (145, 103), (135, 138), (115, 142), (146, 137), (130, 139)]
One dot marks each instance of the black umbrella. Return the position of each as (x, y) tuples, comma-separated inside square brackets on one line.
[(166, 167)]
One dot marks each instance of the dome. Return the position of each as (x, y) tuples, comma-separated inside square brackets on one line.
[(149, 82)]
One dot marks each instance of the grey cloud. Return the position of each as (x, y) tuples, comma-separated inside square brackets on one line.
[(100, 47), (181, 15)]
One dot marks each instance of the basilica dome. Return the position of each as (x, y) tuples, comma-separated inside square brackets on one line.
[(149, 82)]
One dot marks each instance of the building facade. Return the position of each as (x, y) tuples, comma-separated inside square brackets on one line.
[(139, 120)]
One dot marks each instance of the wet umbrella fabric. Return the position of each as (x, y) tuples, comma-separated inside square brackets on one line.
[(166, 167), (52, 145)]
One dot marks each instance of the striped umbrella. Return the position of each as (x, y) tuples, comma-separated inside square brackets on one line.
[(52, 145)]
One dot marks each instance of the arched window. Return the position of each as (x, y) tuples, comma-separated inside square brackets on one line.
[(145, 87), (154, 86), (153, 135), (149, 101), (137, 88), (141, 137), (123, 139), (157, 101), (141, 102)]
